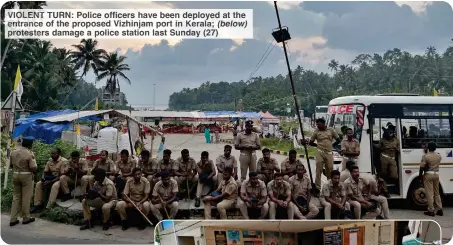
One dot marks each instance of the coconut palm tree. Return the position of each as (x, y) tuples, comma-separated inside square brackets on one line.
[(112, 67), (87, 56)]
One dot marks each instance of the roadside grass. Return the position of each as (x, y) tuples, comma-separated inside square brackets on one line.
[(284, 145)]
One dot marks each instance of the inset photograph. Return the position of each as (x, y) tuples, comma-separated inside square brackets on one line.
[(327, 232)]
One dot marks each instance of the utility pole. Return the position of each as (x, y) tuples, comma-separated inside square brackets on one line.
[(154, 97), (281, 35)]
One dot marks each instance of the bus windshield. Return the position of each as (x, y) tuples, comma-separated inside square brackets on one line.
[(341, 118)]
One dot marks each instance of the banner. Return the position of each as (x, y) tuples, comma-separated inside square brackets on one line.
[(234, 237), (220, 237), (271, 238), (252, 237)]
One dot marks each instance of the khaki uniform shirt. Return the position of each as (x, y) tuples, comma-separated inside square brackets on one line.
[(300, 186), (230, 187), (137, 191), (433, 160), (165, 192), (250, 190), (126, 167), (23, 160), (149, 166), (55, 167), (222, 162), (350, 146), (387, 147), (335, 192), (278, 190), (171, 166), (106, 188), (82, 165), (324, 139), (186, 167), (247, 140), (108, 166), (287, 165), (356, 189), (271, 165), (206, 168)]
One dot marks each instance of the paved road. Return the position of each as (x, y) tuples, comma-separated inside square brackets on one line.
[(45, 232), (196, 144)]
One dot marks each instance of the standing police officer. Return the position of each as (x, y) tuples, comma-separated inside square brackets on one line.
[(24, 165), (429, 175)]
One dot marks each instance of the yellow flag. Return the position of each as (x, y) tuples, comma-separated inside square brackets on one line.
[(96, 107), (18, 78), (434, 92), (78, 129)]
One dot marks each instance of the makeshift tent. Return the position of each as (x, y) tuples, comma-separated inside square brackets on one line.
[(44, 127), (268, 118)]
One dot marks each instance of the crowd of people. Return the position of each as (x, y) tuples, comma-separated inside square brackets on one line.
[(155, 187)]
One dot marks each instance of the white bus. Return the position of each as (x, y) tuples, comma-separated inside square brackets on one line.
[(418, 119)]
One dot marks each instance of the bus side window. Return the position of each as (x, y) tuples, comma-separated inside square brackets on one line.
[(427, 130)]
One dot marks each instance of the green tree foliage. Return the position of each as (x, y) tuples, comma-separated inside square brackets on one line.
[(395, 71)]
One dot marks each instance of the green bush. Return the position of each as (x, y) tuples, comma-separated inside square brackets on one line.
[(284, 145)]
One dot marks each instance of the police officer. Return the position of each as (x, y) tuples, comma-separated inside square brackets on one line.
[(148, 166), (301, 194), (225, 196), (429, 175), (164, 197), (226, 160), (105, 163), (350, 148), (247, 142), (137, 190), (51, 175), (334, 194), (167, 164), (24, 165), (186, 172), (206, 175), (354, 189), (124, 165), (102, 196), (279, 192), (389, 147), (254, 196), (267, 166), (324, 137), (290, 164)]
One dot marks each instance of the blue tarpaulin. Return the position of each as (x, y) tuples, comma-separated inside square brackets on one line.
[(47, 132)]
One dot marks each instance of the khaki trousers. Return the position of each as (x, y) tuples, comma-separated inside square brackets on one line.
[(182, 180), (39, 189), (247, 162), (431, 183), (63, 184), (222, 208), (243, 207), (358, 211), (98, 204), (273, 210), (323, 160), (388, 167), (328, 208), (121, 207), (384, 205), (22, 192), (157, 208), (313, 211)]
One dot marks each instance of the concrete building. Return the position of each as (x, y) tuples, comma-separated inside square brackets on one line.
[(117, 98), (290, 232)]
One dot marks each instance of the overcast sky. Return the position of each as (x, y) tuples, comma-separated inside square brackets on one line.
[(320, 31)]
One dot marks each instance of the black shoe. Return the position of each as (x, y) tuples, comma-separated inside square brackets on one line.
[(28, 221), (124, 225), (197, 202), (105, 226), (14, 223), (66, 197), (86, 225), (36, 209), (429, 213), (440, 212)]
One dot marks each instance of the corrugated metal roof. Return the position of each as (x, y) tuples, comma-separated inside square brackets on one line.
[(73, 116)]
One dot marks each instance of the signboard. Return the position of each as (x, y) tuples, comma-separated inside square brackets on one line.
[(333, 237), (252, 237), (353, 236), (341, 109), (220, 237), (234, 237)]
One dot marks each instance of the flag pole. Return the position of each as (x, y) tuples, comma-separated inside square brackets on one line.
[(11, 133)]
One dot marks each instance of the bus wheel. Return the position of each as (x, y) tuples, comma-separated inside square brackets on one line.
[(416, 196)]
